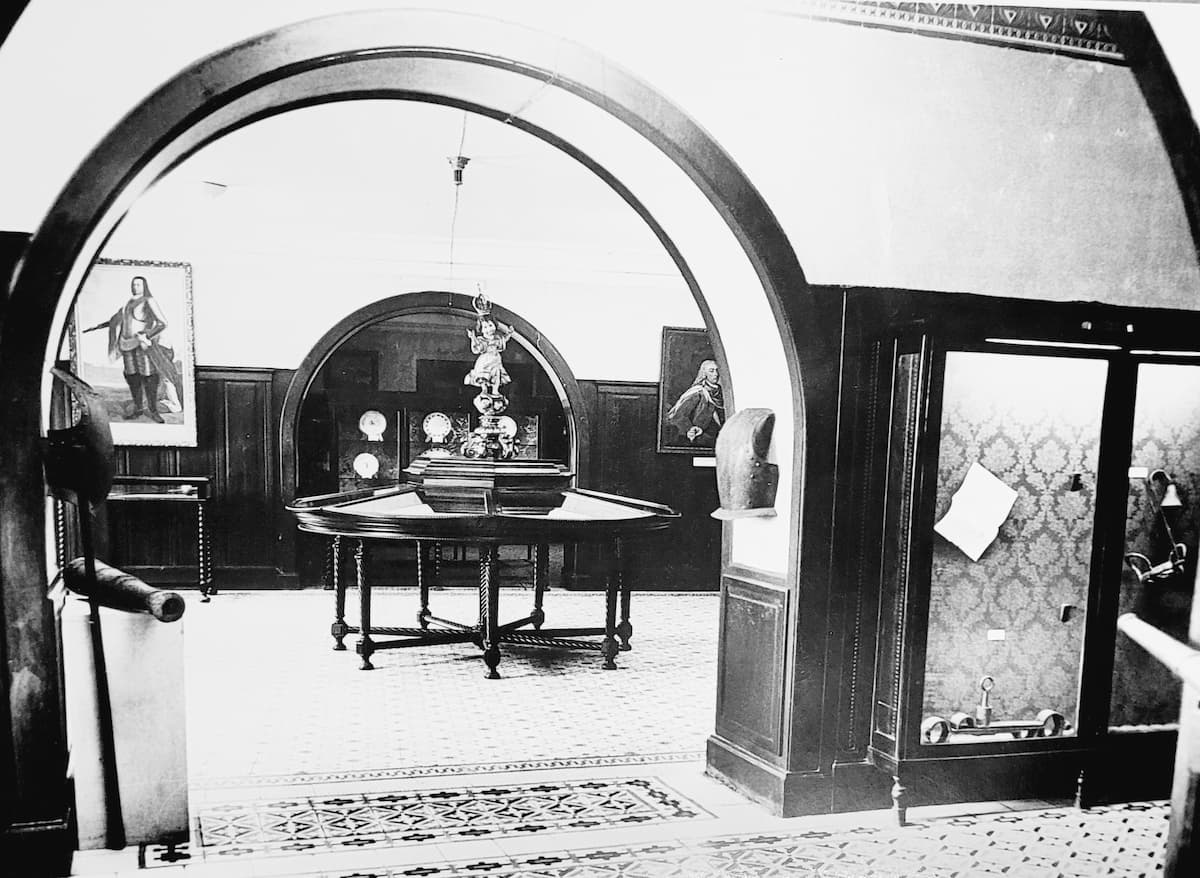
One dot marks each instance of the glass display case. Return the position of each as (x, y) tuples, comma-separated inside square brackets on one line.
[(1035, 478)]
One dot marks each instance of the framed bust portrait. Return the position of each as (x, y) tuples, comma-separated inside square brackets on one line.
[(691, 407)]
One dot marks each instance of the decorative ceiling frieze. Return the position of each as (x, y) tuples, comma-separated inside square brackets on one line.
[(1079, 33)]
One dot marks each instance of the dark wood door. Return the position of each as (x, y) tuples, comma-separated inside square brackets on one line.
[(624, 461)]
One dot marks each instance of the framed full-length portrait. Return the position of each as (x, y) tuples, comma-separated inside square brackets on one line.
[(691, 407), (132, 341)]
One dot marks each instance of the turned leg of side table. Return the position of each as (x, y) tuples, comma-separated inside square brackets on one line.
[(204, 555)]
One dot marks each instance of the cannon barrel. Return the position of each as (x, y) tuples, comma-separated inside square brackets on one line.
[(122, 591)]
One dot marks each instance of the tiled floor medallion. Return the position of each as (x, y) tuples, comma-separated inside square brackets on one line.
[(1121, 840), (379, 820)]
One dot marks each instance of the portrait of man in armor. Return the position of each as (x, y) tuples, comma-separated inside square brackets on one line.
[(132, 341)]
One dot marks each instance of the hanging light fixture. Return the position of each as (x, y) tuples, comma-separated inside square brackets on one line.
[(1169, 500), (1170, 495), (458, 164)]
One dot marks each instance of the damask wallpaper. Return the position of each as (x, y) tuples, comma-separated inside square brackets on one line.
[(1034, 423), (1166, 436)]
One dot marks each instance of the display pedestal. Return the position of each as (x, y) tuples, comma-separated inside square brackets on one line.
[(145, 670)]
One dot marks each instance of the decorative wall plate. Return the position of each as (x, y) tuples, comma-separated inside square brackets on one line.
[(366, 465), (373, 423), (437, 427)]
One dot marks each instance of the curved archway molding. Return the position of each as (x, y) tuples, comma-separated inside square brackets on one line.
[(729, 245)]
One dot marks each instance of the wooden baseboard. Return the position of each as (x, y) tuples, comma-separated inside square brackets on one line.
[(783, 793)]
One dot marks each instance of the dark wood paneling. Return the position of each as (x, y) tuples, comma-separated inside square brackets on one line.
[(285, 525), (624, 456), (624, 461), (750, 685), (236, 448), (858, 537), (244, 485), (238, 412)]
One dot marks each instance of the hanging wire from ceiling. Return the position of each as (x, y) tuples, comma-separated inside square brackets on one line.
[(457, 162)]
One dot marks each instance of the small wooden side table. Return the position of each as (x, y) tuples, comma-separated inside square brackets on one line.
[(194, 490)]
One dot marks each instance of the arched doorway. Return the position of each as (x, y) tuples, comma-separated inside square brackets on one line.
[(731, 247)]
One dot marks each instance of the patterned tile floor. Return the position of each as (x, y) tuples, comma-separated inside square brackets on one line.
[(303, 765), (292, 707), (425, 817)]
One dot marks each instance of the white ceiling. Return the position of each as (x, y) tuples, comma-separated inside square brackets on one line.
[(373, 179)]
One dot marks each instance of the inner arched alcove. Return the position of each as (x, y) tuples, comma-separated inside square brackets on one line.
[(406, 368)]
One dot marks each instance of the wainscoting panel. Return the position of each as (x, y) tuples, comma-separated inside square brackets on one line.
[(237, 412), (244, 484), (750, 670), (624, 417), (236, 450)]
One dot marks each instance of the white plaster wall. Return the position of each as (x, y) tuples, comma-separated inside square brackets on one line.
[(890, 159), (315, 227)]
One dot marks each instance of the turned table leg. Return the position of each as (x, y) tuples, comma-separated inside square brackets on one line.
[(489, 609), (609, 647), (333, 579), (365, 646), (541, 574), (422, 586), (624, 627)]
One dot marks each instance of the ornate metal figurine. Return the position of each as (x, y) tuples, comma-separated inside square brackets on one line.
[(491, 439)]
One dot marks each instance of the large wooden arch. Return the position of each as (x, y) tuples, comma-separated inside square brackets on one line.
[(416, 55)]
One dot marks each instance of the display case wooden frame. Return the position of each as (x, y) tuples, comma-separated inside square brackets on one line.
[(903, 340)]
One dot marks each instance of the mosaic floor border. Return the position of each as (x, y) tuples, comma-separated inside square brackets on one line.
[(453, 770), (347, 822), (1116, 840)]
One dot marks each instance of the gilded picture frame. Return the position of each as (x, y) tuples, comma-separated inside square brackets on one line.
[(132, 339)]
